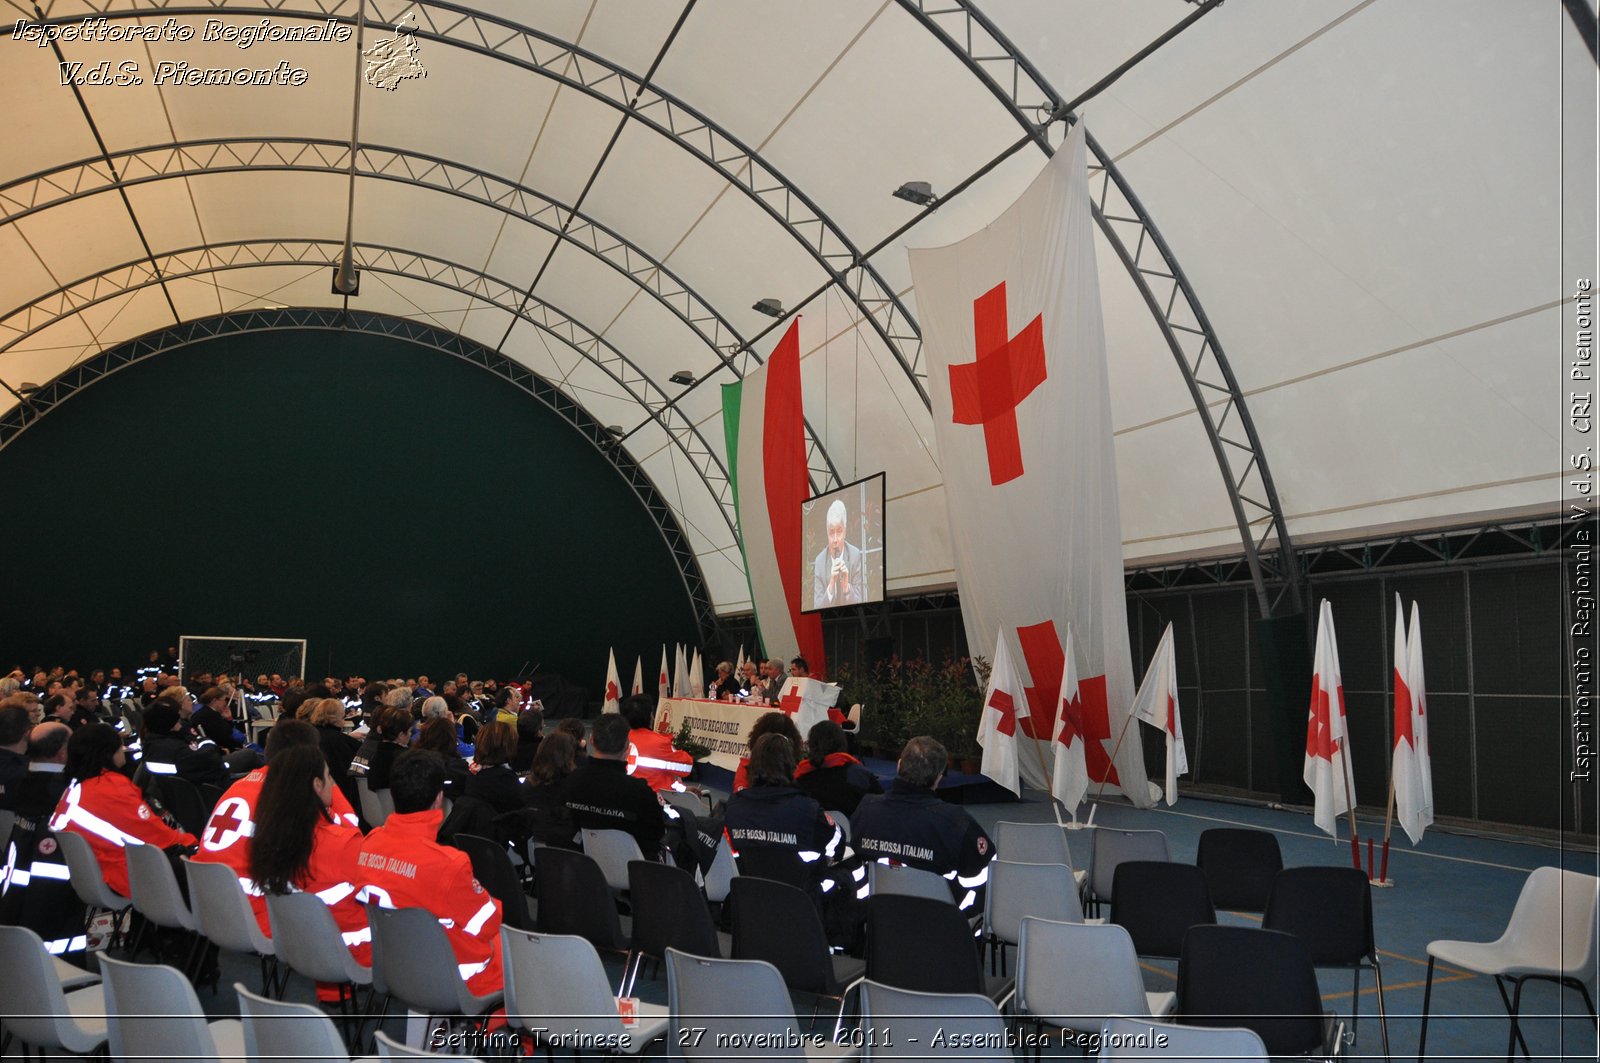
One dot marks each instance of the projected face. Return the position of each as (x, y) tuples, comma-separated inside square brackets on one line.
[(836, 538)]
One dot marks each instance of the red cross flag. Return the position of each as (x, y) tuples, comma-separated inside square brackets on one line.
[(1016, 359), (638, 676), (1071, 773), (1327, 769), (613, 699), (1413, 775), (697, 677), (1157, 705), (1003, 705), (663, 685)]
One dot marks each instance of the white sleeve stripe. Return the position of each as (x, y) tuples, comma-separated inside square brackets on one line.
[(334, 894), (475, 924)]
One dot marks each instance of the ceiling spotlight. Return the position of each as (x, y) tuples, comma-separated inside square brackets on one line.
[(346, 278), (770, 307), (615, 429), (27, 387), (682, 378), (918, 192)]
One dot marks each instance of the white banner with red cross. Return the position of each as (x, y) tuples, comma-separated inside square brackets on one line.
[(1016, 362)]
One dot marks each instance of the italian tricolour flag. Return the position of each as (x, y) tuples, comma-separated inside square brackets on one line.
[(764, 425)]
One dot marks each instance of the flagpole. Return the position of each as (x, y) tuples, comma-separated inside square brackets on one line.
[(1102, 791), (1388, 826), (1350, 801)]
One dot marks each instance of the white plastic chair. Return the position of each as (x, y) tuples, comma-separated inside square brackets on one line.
[(714, 1001), (389, 1048), (580, 1000), (1124, 1038), (903, 1024), (1036, 843), (89, 882), (1072, 976), (1046, 891), (152, 1013), (39, 1012), (1551, 938), (1111, 847), (276, 1030), (225, 917)]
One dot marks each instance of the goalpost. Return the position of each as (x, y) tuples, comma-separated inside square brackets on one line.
[(253, 656)]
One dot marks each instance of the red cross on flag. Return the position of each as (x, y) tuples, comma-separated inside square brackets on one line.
[(1071, 774), (663, 685), (638, 676), (1003, 705), (613, 699), (1413, 775), (1021, 409), (1327, 769), (1157, 705)]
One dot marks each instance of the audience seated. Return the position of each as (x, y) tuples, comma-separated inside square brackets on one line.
[(836, 779), (495, 783), (654, 759), (767, 723), (169, 751), (603, 796)]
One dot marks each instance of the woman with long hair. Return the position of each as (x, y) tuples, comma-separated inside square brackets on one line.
[(549, 821), (299, 846), (104, 806), (438, 734)]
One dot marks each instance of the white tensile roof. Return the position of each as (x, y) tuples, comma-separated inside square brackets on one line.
[(1381, 206)]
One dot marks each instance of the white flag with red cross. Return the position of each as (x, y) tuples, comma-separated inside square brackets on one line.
[(1157, 705), (1071, 772), (1003, 706), (664, 684), (613, 698), (638, 676), (1015, 350), (1327, 769), (1413, 775)]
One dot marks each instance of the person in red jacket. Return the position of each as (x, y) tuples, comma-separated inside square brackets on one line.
[(233, 823), (303, 846), (402, 865), (650, 753), (105, 807)]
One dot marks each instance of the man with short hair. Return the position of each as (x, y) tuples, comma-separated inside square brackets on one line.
[(169, 751), (35, 887), (910, 825), (838, 575), (14, 727), (653, 757), (602, 796), (402, 865)]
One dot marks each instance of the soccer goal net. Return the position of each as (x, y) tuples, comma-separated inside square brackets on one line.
[(198, 654)]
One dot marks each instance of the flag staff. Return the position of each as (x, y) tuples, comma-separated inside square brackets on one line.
[(1388, 825), (1350, 796)]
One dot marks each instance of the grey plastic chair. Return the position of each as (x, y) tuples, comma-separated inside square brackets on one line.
[(276, 1030), (907, 881), (152, 1013), (389, 1048), (720, 875), (1072, 976), (373, 808), (310, 943), (89, 882), (1046, 891), (905, 1022), (1111, 847), (612, 850), (580, 1000), (688, 802), (412, 961), (38, 1011), (1124, 1038), (1036, 843), (712, 1000), (226, 919), (156, 897), (843, 822)]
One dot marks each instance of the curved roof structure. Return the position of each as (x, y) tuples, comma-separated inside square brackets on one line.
[(1337, 239)]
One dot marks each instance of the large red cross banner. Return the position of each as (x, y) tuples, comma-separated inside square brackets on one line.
[(1016, 361)]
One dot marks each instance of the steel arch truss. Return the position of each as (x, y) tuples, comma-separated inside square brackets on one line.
[(600, 79), (80, 376), (88, 177), (1028, 96), (198, 261)]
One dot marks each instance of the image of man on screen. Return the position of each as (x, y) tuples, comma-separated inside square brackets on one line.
[(839, 574)]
